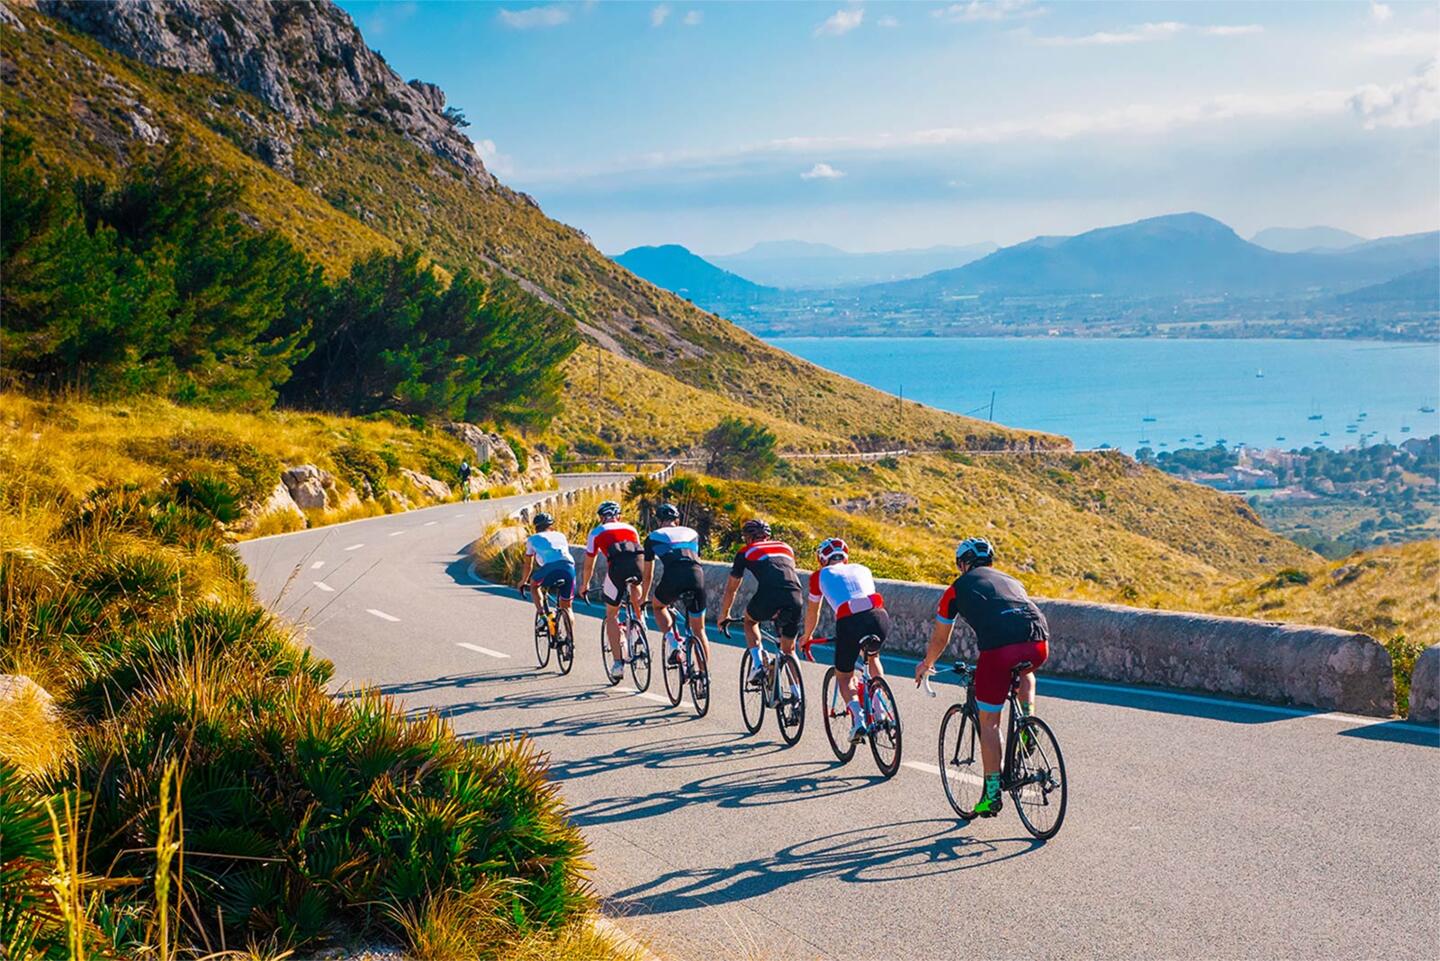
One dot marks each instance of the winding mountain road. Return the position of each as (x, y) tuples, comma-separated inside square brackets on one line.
[(1197, 827)]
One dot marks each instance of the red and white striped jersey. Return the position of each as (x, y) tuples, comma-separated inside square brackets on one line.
[(612, 538), (850, 588), (772, 563)]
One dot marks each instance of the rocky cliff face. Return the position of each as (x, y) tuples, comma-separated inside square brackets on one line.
[(303, 59)]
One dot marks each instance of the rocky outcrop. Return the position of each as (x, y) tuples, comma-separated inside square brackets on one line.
[(303, 59), (310, 487), (1425, 687), (427, 485), (280, 502), (489, 448)]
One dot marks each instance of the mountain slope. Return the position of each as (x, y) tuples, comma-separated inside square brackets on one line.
[(797, 264), (1294, 240), (679, 271), (1422, 287), (345, 175)]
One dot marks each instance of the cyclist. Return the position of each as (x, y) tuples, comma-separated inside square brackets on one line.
[(778, 595), (859, 613), (620, 543), (1008, 628), (547, 553), (679, 551)]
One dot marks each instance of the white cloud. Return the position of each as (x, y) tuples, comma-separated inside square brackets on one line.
[(659, 14), (822, 172), (1238, 30), (841, 21), (532, 17), (1413, 102), (1402, 43), (887, 21), (988, 10), (1380, 12), (499, 164), (1146, 32), (693, 18)]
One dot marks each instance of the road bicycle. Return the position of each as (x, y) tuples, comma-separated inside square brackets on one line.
[(780, 687), (690, 668), (633, 642), (1032, 771), (554, 631), (879, 714)]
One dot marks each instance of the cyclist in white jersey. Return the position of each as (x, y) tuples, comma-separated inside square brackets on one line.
[(547, 553), (682, 580), (859, 614)]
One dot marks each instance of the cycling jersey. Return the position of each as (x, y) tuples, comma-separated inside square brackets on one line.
[(995, 606), (772, 563), (850, 589), (613, 539), (548, 547), (673, 544)]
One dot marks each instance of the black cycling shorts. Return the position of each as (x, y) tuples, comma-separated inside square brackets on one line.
[(618, 570), (784, 606), (682, 581), (851, 630)]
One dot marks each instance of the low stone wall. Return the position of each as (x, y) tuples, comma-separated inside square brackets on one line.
[(1425, 687), (1318, 667)]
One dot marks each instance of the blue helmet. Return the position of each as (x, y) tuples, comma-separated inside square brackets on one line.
[(975, 551), (543, 521)]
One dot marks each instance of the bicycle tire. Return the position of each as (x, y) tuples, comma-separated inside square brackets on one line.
[(1042, 768), (699, 679), (564, 643), (542, 641), (639, 655), (885, 733), (605, 658), (837, 718), (752, 708), (789, 714), (962, 772), (674, 674)]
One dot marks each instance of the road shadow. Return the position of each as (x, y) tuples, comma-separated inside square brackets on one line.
[(883, 853), (1397, 732), (702, 750)]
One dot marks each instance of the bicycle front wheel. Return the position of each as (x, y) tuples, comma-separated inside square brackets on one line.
[(699, 679), (837, 718), (674, 673), (1039, 787), (639, 656), (542, 640), (884, 728), (564, 642), (961, 771), (752, 692), (790, 699)]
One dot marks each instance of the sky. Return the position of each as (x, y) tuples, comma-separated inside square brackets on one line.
[(878, 126)]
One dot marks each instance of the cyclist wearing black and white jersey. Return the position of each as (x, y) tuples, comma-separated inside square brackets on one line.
[(859, 613), (620, 543), (682, 579), (778, 594)]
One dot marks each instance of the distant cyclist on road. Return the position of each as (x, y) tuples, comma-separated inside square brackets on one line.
[(465, 479), (859, 613), (678, 549), (620, 543), (778, 594), (1009, 628), (547, 553)]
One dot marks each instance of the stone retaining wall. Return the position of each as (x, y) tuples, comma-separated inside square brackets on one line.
[(1425, 687)]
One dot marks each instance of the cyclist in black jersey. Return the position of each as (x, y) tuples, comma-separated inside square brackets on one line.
[(778, 594)]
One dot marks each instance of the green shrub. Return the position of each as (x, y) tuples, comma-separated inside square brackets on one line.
[(363, 469), (248, 473)]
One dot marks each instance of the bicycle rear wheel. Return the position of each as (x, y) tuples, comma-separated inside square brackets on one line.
[(837, 718), (961, 771), (752, 693), (1040, 787), (564, 642), (790, 701), (542, 640), (884, 728), (674, 673), (699, 678), (639, 655), (605, 657)]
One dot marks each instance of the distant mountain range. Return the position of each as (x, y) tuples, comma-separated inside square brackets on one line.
[(798, 264), (681, 272), (1294, 240)]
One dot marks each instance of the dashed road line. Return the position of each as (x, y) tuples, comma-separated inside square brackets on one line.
[(430, 523), (652, 696), (325, 587), (317, 565), (381, 614), (354, 547), (481, 650), (396, 533), (921, 766)]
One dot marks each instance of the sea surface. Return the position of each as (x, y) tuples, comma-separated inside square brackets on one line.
[(1160, 393)]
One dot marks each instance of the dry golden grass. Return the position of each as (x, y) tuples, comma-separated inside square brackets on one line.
[(34, 736)]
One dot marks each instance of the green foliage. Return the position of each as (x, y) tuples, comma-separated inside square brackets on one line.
[(247, 474), (741, 448), (363, 469)]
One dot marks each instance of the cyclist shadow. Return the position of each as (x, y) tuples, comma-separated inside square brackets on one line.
[(889, 852), (666, 754)]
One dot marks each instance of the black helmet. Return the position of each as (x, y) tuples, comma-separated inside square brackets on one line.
[(667, 512), (975, 551), (607, 509), (543, 521), (755, 527)]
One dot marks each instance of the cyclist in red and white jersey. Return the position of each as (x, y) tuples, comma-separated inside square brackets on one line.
[(620, 543), (859, 613)]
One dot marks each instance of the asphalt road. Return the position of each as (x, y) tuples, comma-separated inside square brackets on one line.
[(1197, 827)]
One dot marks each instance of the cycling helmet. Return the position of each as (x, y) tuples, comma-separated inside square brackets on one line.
[(975, 551), (667, 512), (755, 527), (607, 509), (830, 549), (543, 521)]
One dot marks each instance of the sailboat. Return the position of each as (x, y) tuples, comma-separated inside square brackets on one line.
[(1427, 409), (1315, 414), (1259, 374)]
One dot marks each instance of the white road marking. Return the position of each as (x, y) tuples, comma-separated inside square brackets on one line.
[(354, 547), (381, 614), (396, 533), (481, 650), (921, 766), (317, 565), (325, 587), (430, 523), (652, 696)]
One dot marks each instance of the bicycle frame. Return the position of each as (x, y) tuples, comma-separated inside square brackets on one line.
[(863, 678), (772, 676), (1008, 781)]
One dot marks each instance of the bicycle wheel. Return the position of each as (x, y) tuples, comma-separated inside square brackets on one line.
[(564, 642), (639, 655), (605, 657), (674, 673), (961, 771), (542, 640), (699, 678), (790, 705), (884, 728), (1039, 788), (752, 693), (837, 718)]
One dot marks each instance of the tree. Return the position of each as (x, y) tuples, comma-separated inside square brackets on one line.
[(740, 448)]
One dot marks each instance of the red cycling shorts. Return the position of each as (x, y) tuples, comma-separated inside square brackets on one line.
[(992, 671)]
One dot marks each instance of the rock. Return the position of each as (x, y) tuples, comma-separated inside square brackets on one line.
[(16, 687), (307, 485), (11, 22), (280, 501), (488, 447), (427, 485), (1425, 687)]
